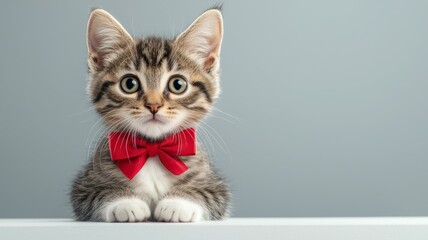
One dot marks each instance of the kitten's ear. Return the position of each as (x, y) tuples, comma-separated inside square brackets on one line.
[(105, 36), (201, 41)]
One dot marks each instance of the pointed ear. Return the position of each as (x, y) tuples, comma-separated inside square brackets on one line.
[(202, 40), (105, 36)]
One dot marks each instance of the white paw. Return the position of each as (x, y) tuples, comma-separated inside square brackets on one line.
[(127, 210), (178, 210)]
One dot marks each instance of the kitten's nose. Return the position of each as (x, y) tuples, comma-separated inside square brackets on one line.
[(153, 107)]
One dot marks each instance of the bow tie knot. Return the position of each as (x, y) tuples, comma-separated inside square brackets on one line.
[(152, 149), (130, 152)]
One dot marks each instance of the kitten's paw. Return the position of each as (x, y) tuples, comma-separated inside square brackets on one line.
[(178, 210), (127, 210)]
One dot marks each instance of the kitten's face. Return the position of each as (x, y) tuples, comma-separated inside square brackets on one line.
[(153, 86)]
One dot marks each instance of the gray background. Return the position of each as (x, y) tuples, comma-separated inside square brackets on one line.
[(327, 103)]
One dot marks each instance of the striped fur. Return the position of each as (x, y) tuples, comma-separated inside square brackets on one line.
[(101, 192)]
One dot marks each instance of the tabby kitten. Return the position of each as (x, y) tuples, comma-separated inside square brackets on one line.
[(153, 88)]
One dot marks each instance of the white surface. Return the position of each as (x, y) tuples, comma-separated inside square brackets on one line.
[(236, 228)]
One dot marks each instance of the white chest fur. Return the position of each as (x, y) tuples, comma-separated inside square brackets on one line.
[(152, 181)]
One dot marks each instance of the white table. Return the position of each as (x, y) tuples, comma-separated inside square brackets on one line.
[(379, 228)]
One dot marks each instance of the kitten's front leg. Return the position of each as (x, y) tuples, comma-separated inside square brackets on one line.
[(177, 209), (107, 205), (126, 210), (196, 200), (103, 197)]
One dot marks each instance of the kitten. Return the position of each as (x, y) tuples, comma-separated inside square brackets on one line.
[(152, 88)]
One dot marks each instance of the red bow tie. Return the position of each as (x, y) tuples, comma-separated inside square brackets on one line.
[(131, 152)]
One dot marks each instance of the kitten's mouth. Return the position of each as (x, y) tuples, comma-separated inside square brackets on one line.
[(155, 119)]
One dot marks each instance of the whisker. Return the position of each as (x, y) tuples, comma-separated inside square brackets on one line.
[(225, 113), (223, 144)]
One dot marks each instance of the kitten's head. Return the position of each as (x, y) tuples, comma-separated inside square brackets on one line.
[(153, 86)]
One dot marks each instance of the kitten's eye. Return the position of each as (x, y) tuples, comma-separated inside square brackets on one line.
[(129, 84), (177, 85)]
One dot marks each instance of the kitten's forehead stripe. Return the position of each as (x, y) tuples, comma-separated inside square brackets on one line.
[(138, 56), (153, 51), (167, 54)]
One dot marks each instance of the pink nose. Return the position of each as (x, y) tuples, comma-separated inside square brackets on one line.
[(153, 107)]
